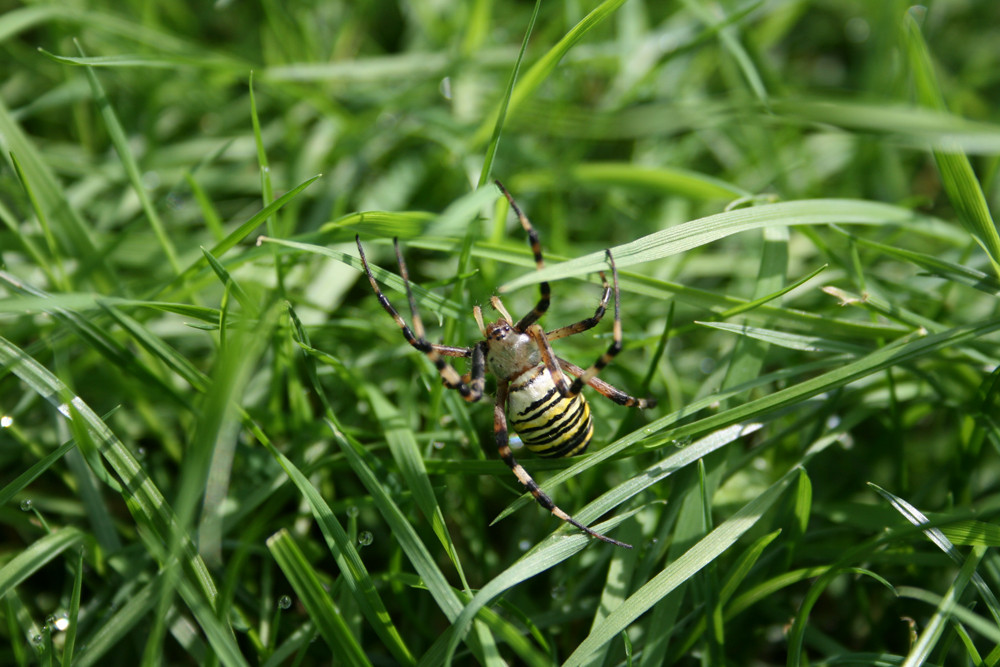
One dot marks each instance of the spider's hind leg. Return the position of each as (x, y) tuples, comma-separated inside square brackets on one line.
[(503, 447)]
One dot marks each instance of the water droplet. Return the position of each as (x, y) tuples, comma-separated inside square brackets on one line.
[(284, 602), (365, 538), (150, 180), (445, 87), (26, 505), (353, 511), (140, 453), (37, 638), (437, 444), (61, 622), (524, 545), (6, 421), (50, 620)]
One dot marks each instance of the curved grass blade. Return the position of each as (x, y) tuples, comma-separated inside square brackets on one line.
[(891, 355), (306, 583), (355, 574), (564, 543), (681, 570), (36, 556), (145, 502), (696, 233), (538, 72), (491, 148)]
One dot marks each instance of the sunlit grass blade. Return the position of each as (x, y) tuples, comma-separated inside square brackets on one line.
[(356, 576), (935, 627), (242, 231), (145, 502), (30, 560), (74, 236), (941, 541), (543, 67), (120, 141), (406, 454), (306, 583), (889, 356), (957, 176), (789, 340), (602, 175), (560, 547), (501, 117), (696, 233), (425, 298), (680, 570)]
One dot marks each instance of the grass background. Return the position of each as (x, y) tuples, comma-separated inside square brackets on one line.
[(216, 449)]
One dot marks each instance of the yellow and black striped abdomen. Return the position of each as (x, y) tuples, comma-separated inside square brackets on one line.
[(550, 424)]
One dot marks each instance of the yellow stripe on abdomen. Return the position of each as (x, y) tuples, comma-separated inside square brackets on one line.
[(549, 424)]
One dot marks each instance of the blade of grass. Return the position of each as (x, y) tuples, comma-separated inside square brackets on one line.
[(681, 570), (545, 65), (501, 117), (355, 576), (120, 141), (891, 355), (145, 502), (957, 176), (306, 583), (560, 546), (406, 454), (36, 556), (689, 235)]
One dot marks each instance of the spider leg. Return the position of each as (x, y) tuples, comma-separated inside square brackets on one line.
[(536, 249), (471, 391), (549, 358), (503, 447), (607, 390), (616, 344), (588, 323)]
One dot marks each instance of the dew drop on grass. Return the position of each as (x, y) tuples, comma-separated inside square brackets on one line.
[(365, 538), (6, 421), (284, 602), (524, 545), (26, 505), (353, 511)]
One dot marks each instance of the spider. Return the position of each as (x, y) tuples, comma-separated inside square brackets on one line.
[(550, 414)]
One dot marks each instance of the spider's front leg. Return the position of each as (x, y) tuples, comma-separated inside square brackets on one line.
[(470, 391), (503, 447)]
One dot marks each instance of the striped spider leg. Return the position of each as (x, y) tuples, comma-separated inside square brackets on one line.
[(549, 413)]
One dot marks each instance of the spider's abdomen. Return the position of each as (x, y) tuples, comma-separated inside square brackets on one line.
[(550, 424)]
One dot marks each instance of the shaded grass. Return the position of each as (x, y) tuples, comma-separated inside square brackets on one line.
[(217, 448)]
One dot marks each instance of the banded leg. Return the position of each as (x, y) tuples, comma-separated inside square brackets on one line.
[(616, 345), (607, 390), (471, 390), (536, 248), (588, 323), (503, 447)]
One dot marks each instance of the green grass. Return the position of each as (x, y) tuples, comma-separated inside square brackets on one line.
[(217, 448)]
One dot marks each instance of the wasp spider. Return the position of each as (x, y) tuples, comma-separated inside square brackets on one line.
[(549, 413)]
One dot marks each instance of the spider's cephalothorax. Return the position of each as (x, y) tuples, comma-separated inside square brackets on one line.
[(549, 414)]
